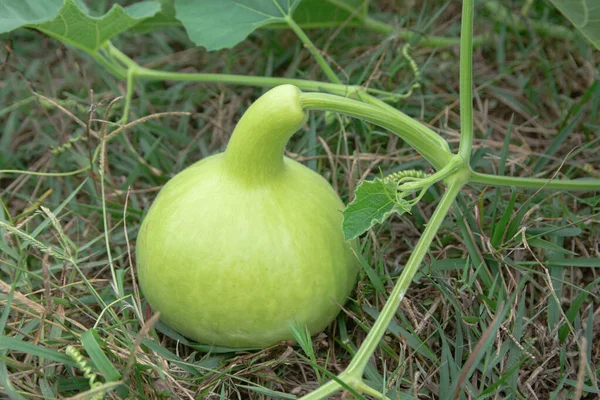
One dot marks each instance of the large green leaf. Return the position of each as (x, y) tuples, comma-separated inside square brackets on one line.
[(308, 14), (219, 24), (14, 14), (74, 26), (70, 23), (585, 15), (164, 18), (320, 13)]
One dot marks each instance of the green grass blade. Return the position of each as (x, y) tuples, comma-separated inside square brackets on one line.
[(500, 228), (271, 394), (582, 262), (7, 386), (412, 340), (89, 341), (573, 310), (35, 350)]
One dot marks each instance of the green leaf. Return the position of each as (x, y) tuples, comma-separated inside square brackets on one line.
[(219, 24), (75, 27), (14, 14), (374, 201), (321, 13), (308, 14), (166, 17), (585, 15)]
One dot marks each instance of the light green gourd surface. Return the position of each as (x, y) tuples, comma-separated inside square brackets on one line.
[(234, 248)]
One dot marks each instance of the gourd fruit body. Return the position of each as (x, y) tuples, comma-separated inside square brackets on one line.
[(242, 243)]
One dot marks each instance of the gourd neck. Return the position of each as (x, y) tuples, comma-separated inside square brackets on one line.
[(254, 154)]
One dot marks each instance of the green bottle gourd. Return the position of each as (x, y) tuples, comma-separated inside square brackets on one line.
[(241, 243)]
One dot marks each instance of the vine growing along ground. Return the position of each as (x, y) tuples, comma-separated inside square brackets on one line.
[(478, 277)]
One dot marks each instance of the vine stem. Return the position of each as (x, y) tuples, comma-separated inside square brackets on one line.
[(115, 69), (428, 143), (245, 80), (355, 370), (466, 82), (313, 50), (120, 56), (535, 183), (131, 73), (260, 81), (367, 349)]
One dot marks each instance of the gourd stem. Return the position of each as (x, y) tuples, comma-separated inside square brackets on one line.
[(424, 140), (255, 151)]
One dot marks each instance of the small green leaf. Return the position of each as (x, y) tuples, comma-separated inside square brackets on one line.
[(585, 15), (219, 24), (374, 201), (74, 26)]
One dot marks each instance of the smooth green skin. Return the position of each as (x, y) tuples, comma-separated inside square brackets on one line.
[(242, 243)]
